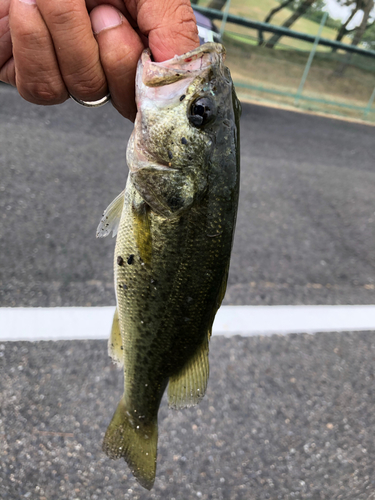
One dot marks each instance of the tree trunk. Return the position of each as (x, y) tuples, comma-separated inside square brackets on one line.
[(216, 4), (367, 8), (270, 16), (343, 31), (362, 27), (302, 9)]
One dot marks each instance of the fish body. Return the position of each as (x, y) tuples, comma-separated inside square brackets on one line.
[(175, 220)]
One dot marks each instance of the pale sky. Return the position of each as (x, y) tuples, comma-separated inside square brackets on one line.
[(339, 12)]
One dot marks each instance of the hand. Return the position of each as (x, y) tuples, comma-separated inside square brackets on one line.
[(52, 48)]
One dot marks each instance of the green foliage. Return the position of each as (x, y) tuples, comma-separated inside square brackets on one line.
[(369, 37)]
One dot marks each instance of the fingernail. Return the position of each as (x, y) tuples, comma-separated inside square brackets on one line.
[(30, 2), (104, 19)]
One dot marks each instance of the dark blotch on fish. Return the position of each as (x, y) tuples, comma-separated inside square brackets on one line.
[(170, 155), (131, 259), (182, 97), (120, 260), (184, 141)]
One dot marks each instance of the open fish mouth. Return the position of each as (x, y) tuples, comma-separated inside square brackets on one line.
[(188, 65), (162, 87)]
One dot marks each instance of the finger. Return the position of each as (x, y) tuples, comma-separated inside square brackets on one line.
[(170, 26), (5, 43), (76, 49), (118, 4), (120, 48), (8, 72), (37, 75)]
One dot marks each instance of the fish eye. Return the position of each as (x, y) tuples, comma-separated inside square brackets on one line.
[(202, 111)]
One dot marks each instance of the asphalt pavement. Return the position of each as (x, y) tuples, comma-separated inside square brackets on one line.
[(306, 220), (284, 417)]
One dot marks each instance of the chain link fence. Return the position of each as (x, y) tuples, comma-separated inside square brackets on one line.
[(297, 72)]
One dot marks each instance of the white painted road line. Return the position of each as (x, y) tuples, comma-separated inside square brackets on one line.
[(68, 323)]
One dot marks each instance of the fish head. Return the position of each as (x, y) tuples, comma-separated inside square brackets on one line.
[(181, 103), (185, 112)]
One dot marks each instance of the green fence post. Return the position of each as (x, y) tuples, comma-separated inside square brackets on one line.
[(225, 16), (310, 59), (369, 104)]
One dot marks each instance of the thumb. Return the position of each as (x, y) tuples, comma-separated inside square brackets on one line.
[(170, 26), (119, 49)]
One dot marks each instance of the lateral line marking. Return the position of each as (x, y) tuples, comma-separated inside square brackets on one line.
[(70, 323)]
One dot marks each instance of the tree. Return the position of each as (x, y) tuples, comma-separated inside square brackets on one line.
[(217, 4), (369, 36), (300, 11), (366, 6), (343, 31), (270, 16)]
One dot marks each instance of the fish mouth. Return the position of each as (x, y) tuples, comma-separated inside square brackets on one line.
[(163, 84), (191, 64)]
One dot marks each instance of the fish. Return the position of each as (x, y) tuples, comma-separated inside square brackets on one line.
[(174, 224)]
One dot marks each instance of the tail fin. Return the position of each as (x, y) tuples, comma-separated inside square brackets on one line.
[(135, 441)]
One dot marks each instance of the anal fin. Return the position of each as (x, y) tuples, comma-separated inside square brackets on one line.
[(188, 386), (115, 348)]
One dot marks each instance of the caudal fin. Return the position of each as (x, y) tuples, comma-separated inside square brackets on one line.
[(135, 441)]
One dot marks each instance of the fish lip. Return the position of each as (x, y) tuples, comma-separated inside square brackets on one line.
[(156, 74), (162, 84)]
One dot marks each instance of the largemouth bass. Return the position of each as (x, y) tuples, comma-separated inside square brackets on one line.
[(174, 223)]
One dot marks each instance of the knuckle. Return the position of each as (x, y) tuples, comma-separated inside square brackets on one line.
[(42, 93), (116, 59), (88, 84), (7, 73), (61, 13), (184, 24), (183, 15), (187, 30), (23, 33)]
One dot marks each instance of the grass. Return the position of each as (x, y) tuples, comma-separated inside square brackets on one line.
[(258, 10), (281, 69)]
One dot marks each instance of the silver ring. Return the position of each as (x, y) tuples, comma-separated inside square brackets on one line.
[(92, 104)]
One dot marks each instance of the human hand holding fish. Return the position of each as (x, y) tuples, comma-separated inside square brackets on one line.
[(175, 219), (87, 48)]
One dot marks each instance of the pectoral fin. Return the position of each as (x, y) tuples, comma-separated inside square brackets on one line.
[(111, 217), (188, 386), (115, 348)]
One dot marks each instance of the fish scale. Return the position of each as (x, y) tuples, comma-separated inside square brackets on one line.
[(175, 223)]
